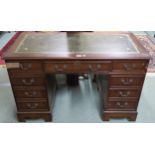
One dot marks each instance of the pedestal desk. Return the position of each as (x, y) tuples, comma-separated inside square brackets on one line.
[(115, 57)]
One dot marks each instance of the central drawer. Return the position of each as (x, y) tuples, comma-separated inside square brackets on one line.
[(77, 66)]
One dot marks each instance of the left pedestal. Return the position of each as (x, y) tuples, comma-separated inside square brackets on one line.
[(30, 89)]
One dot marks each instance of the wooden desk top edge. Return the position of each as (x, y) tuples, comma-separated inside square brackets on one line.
[(8, 55)]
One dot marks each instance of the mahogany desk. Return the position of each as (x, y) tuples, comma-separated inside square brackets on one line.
[(115, 57)]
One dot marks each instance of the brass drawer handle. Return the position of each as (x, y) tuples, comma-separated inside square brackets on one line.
[(98, 66), (90, 67), (122, 105), (60, 69), (126, 81), (32, 106), (145, 65), (124, 94), (25, 66), (129, 66), (77, 62), (26, 82), (30, 94), (65, 66)]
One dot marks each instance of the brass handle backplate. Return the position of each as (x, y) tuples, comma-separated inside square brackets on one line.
[(127, 81), (28, 82), (124, 94), (58, 69), (122, 104), (30, 94), (32, 106), (129, 66)]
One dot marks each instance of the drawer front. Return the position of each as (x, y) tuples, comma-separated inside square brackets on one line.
[(77, 66), (121, 105), (58, 67), (28, 81), (126, 80), (30, 93), (124, 92), (24, 67), (98, 66), (32, 106), (130, 65)]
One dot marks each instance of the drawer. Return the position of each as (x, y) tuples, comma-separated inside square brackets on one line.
[(130, 65), (35, 105), (126, 80), (98, 66), (77, 66), (58, 67), (30, 92), (27, 81), (121, 105), (16, 68), (115, 92)]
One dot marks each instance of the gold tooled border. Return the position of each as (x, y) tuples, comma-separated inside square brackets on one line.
[(129, 38)]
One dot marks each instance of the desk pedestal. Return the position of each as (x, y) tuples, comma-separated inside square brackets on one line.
[(120, 94)]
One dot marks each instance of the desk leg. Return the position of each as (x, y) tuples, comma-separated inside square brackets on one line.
[(130, 115), (23, 116)]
